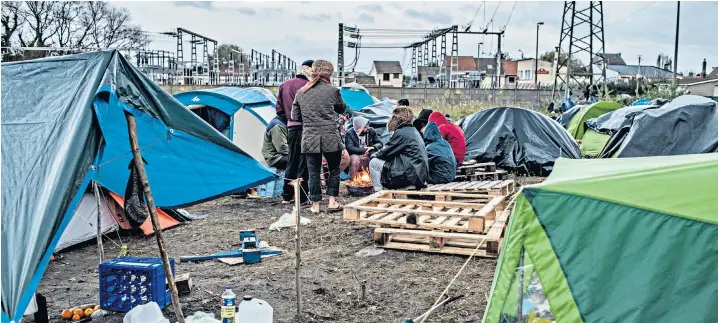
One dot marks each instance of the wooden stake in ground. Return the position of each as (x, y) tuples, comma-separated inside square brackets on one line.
[(100, 248), (298, 207), (137, 157)]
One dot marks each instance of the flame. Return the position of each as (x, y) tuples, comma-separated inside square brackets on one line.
[(361, 179)]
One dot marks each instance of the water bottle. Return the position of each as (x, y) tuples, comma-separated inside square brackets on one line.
[(253, 310), (228, 302)]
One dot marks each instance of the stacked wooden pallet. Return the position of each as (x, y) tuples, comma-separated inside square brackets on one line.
[(498, 188), (433, 221), (472, 171)]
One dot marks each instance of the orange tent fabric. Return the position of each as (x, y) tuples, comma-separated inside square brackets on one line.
[(166, 221)]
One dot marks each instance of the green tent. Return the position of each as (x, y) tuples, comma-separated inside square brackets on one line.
[(613, 240), (576, 126), (593, 142)]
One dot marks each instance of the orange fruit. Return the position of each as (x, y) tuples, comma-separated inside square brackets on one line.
[(76, 317), (66, 314), (78, 312), (88, 312), (97, 308)]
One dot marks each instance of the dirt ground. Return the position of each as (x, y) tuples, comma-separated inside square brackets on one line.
[(399, 284)]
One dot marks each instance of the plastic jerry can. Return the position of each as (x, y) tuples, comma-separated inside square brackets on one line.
[(252, 310)]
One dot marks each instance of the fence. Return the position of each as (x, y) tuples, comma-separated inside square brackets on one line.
[(510, 96)]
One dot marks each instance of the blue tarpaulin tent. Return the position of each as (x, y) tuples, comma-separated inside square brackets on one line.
[(63, 125), (238, 113), (356, 96)]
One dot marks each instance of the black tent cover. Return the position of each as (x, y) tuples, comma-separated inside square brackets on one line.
[(517, 139)]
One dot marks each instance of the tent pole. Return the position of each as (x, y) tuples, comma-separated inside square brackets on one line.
[(521, 286), (137, 157), (298, 208), (100, 248)]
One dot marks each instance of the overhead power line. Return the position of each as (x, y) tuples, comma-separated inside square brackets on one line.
[(631, 15), (510, 14)]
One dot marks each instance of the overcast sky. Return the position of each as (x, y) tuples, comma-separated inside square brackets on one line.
[(308, 30)]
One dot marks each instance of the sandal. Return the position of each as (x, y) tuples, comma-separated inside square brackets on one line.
[(339, 207), (312, 211)]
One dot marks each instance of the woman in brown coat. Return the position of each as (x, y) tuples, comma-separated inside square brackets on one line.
[(314, 106)]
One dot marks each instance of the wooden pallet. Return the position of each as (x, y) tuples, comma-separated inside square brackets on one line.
[(483, 176), (498, 188), (398, 209), (445, 242), (470, 168)]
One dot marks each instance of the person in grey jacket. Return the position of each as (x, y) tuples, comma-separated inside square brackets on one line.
[(314, 106)]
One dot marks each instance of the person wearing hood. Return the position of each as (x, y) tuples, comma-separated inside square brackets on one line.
[(402, 161), (296, 161), (274, 148), (422, 119), (451, 133), (442, 164), (360, 142), (315, 106)]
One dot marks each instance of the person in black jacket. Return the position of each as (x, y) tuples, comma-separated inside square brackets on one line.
[(360, 142), (442, 164), (402, 161)]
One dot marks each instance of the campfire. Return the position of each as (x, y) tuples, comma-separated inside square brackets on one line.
[(360, 184), (361, 179)]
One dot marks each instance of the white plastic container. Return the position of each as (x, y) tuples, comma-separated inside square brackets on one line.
[(252, 310), (147, 313)]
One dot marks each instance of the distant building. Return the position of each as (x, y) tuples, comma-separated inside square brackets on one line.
[(527, 75), (387, 73), (629, 72), (361, 78), (707, 86), (610, 59)]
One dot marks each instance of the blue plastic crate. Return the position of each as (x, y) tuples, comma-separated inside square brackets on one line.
[(126, 282), (272, 189)]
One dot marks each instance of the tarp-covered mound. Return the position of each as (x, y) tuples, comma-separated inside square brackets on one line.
[(517, 139), (686, 125), (63, 125), (599, 130), (378, 114), (356, 96)]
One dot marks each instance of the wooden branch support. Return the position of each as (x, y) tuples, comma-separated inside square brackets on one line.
[(100, 248), (298, 207), (137, 157)]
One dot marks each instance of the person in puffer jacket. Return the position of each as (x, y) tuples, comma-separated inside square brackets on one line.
[(402, 161), (442, 165), (451, 133)]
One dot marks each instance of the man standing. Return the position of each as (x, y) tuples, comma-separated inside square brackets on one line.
[(296, 163)]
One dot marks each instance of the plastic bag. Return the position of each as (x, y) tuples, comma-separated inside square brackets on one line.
[(288, 220), (201, 317), (146, 313)]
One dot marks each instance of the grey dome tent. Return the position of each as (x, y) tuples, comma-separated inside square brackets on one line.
[(517, 139)]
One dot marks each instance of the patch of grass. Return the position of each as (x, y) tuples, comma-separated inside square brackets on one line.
[(456, 111)]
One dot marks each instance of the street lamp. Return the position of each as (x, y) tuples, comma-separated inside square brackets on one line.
[(538, 92), (536, 58)]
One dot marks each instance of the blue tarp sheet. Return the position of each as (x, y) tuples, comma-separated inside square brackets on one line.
[(63, 125)]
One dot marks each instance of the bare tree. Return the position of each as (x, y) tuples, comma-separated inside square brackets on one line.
[(40, 20), (11, 21)]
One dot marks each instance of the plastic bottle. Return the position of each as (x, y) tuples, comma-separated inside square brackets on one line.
[(228, 302), (252, 310)]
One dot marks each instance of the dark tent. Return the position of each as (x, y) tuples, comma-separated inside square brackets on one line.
[(63, 125), (517, 139), (686, 125), (599, 130)]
